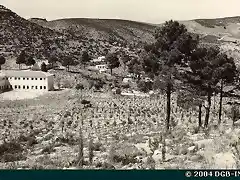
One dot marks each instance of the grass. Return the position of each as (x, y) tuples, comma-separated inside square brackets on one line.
[(55, 145)]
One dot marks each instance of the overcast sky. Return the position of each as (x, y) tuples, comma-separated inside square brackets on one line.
[(154, 11)]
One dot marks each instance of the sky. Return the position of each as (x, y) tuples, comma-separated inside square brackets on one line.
[(152, 11)]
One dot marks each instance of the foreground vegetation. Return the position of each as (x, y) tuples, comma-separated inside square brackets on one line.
[(89, 126)]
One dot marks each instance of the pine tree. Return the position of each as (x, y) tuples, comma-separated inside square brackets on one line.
[(113, 61), (44, 67), (21, 59), (2, 61), (171, 50)]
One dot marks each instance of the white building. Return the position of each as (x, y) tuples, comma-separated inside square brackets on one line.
[(101, 68), (98, 64), (26, 80), (99, 60)]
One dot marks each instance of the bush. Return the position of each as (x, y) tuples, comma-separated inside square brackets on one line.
[(66, 84), (32, 141), (145, 86), (48, 149), (124, 153), (125, 85), (98, 84), (9, 157), (97, 146), (11, 147), (85, 102), (118, 91)]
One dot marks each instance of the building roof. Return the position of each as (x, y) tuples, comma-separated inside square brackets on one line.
[(96, 60), (24, 73)]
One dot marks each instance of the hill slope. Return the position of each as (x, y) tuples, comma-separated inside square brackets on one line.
[(224, 32), (104, 29), (17, 33), (65, 37)]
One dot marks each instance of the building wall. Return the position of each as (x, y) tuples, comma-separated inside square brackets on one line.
[(2, 84), (25, 83), (101, 67), (50, 85)]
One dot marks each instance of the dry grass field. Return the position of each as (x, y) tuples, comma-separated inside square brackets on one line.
[(43, 133)]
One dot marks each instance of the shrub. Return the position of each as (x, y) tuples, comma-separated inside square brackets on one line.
[(49, 149), (97, 146), (11, 147), (118, 91), (125, 85), (145, 86), (66, 84), (31, 141), (9, 157), (124, 153)]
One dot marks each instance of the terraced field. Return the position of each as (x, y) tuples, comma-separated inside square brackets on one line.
[(127, 133)]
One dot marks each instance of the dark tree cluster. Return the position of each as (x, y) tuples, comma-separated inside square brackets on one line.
[(2, 61), (113, 61), (176, 55), (23, 58)]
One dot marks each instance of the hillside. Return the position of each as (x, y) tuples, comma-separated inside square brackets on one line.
[(17, 33), (223, 32), (65, 37), (110, 30)]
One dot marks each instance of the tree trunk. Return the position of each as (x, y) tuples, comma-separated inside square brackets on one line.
[(168, 106), (80, 153), (111, 71), (220, 104), (163, 148), (90, 150), (208, 108), (214, 97), (200, 116), (234, 115)]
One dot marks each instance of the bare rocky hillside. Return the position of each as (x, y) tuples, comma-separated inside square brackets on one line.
[(123, 31), (63, 37), (17, 33)]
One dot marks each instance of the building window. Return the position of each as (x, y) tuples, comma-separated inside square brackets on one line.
[(11, 87), (40, 78), (15, 86), (27, 87), (44, 78), (23, 87), (15, 78), (10, 77), (40, 87), (23, 78), (19, 78), (27, 78), (36, 87), (45, 87), (6, 78), (32, 87), (19, 87), (32, 78), (35, 78)]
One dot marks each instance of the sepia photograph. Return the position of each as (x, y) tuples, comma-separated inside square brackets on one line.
[(120, 85)]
